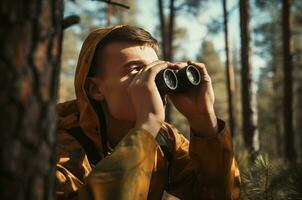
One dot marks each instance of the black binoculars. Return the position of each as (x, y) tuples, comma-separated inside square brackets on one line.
[(177, 81)]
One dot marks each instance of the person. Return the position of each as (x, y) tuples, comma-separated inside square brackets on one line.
[(112, 140)]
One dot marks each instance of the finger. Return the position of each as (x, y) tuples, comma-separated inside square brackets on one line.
[(158, 62), (137, 76), (202, 69), (200, 66), (145, 74), (153, 71), (180, 65)]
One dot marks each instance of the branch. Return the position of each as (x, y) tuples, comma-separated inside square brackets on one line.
[(69, 21), (179, 7), (116, 4)]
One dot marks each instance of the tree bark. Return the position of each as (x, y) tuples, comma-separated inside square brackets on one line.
[(169, 53), (277, 108), (30, 37), (290, 153), (299, 114), (249, 105), (167, 33), (70, 21), (162, 29), (171, 31), (229, 71)]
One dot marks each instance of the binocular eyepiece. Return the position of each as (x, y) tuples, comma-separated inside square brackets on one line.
[(177, 81)]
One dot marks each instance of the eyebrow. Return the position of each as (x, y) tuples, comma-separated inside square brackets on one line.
[(134, 62)]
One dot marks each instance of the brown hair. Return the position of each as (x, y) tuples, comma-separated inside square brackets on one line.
[(126, 33)]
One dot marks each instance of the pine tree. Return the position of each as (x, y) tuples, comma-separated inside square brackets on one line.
[(249, 105), (30, 35)]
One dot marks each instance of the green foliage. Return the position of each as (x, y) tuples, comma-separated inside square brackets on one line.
[(268, 180), (257, 181), (294, 187)]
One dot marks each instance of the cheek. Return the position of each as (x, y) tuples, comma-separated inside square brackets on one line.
[(122, 108), (118, 100)]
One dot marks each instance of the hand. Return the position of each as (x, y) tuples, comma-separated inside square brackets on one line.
[(198, 105), (146, 99)]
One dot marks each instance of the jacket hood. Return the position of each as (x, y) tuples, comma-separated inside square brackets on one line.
[(80, 112)]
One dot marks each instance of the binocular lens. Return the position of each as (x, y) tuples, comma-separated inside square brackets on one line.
[(166, 81), (170, 79), (193, 75)]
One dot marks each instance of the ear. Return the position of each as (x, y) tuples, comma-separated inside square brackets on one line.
[(93, 90)]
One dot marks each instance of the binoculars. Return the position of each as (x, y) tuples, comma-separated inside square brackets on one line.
[(177, 81)]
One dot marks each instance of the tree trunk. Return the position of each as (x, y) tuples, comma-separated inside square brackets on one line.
[(229, 71), (171, 31), (249, 105), (162, 29), (276, 96), (169, 53), (277, 110), (299, 114), (30, 37), (290, 154), (167, 32)]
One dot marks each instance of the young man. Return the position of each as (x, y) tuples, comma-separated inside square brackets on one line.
[(113, 142)]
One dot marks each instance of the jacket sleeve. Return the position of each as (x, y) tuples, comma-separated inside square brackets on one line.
[(124, 174), (205, 168)]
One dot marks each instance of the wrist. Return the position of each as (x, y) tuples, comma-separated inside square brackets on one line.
[(204, 124), (151, 124)]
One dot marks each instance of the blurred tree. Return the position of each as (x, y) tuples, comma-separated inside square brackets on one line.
[(123, 11), (214, 27), (290, 153), (269, 47), (70, 53), (167, 29), (298, 105), (237, 95), (297, 59), (229, 70), (249, 105), (167, 21), (269, 43), (267, 116), (167, 34), (30, 34), (125, 16)]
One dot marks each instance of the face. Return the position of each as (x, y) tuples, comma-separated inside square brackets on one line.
[(120, 64)]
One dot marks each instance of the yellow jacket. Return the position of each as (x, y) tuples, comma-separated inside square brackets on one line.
[(137, 168)]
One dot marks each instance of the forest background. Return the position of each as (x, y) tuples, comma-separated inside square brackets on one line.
[(251, 48)]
